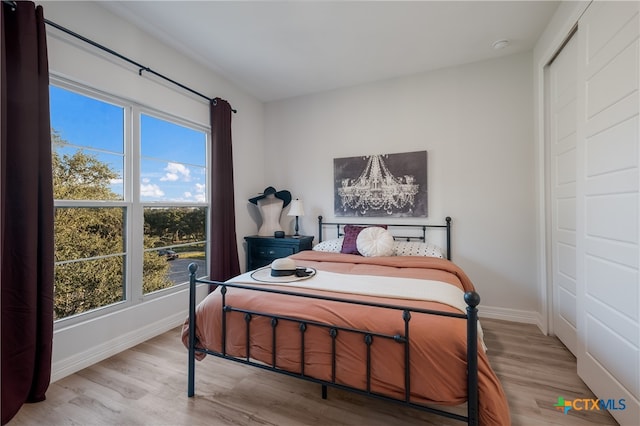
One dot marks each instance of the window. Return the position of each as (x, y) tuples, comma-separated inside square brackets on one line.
[(130, 206), (173, 177)]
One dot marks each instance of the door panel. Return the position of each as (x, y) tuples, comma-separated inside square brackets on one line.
[(607, 228), (563, 119)]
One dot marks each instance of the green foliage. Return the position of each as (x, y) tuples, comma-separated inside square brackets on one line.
[(86, 285), (87, 232), (181, 224), (80, 176), (155, 269)]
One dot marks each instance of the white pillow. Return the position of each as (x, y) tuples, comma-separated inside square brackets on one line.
[(332, 246), (416, 248), (375, 241)]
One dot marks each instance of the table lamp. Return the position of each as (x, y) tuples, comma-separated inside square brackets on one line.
[(296, 210)]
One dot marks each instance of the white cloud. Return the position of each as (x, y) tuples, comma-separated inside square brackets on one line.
[(171, 177), (151, 190), (176, 171), (199, 196)]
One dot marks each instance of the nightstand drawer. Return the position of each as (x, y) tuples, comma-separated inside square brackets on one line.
[(271, 252), (261, 251)]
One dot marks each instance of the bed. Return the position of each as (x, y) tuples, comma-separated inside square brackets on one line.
[(392, 319)]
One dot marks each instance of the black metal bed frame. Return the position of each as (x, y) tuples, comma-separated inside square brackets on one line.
[(471, 298), (340, 230)]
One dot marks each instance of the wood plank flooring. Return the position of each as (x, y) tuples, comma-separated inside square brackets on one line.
[(147, 384)]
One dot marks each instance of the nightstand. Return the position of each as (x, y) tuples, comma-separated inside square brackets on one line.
[(262, 251)]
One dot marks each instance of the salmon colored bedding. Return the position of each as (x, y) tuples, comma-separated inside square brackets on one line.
[(437, 349)]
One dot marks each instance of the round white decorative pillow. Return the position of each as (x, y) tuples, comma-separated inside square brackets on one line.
[(375, 241)]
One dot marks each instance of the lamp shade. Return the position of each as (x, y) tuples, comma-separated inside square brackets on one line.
[(296, 208)]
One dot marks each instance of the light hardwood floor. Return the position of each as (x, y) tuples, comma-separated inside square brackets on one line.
[(146, 385)]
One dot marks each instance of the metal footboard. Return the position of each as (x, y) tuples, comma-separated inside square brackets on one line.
[(368, 336)]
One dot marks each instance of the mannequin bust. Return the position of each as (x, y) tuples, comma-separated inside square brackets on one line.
[(270, 204), (270, 209)]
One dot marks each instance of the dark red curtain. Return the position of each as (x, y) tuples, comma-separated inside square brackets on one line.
[(224, 262), (26, 197)]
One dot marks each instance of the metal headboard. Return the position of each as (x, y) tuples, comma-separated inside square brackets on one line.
[(339, 227)]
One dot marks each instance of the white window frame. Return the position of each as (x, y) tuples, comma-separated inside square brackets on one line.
[(134, 217)]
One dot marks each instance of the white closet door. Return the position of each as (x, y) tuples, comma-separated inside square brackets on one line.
[(607, 226), (563, 117)]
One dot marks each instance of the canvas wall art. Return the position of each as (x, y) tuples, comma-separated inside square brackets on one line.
[(385, 185)]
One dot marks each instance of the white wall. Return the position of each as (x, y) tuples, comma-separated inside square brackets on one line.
[(475, 121), (80, 345)]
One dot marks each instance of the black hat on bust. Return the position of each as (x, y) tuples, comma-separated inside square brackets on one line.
[(284, 195)]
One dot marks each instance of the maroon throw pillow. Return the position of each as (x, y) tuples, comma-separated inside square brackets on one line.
[(351, 235)]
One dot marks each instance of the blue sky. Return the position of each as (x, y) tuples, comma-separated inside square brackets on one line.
[(172, 156)]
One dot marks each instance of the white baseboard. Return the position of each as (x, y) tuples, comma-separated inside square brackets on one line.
[(508, 314), (95, 354)]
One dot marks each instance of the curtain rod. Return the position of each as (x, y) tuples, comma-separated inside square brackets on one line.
[(141, 68)]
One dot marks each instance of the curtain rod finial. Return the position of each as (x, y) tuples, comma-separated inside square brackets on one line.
[(214, 102)]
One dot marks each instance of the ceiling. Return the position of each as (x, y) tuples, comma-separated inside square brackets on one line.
[(281, 49)]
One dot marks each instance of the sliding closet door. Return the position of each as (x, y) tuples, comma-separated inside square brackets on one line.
[(562, 164), (608, 205)]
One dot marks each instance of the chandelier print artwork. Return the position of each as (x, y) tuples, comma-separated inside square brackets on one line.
[(390, 185)]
